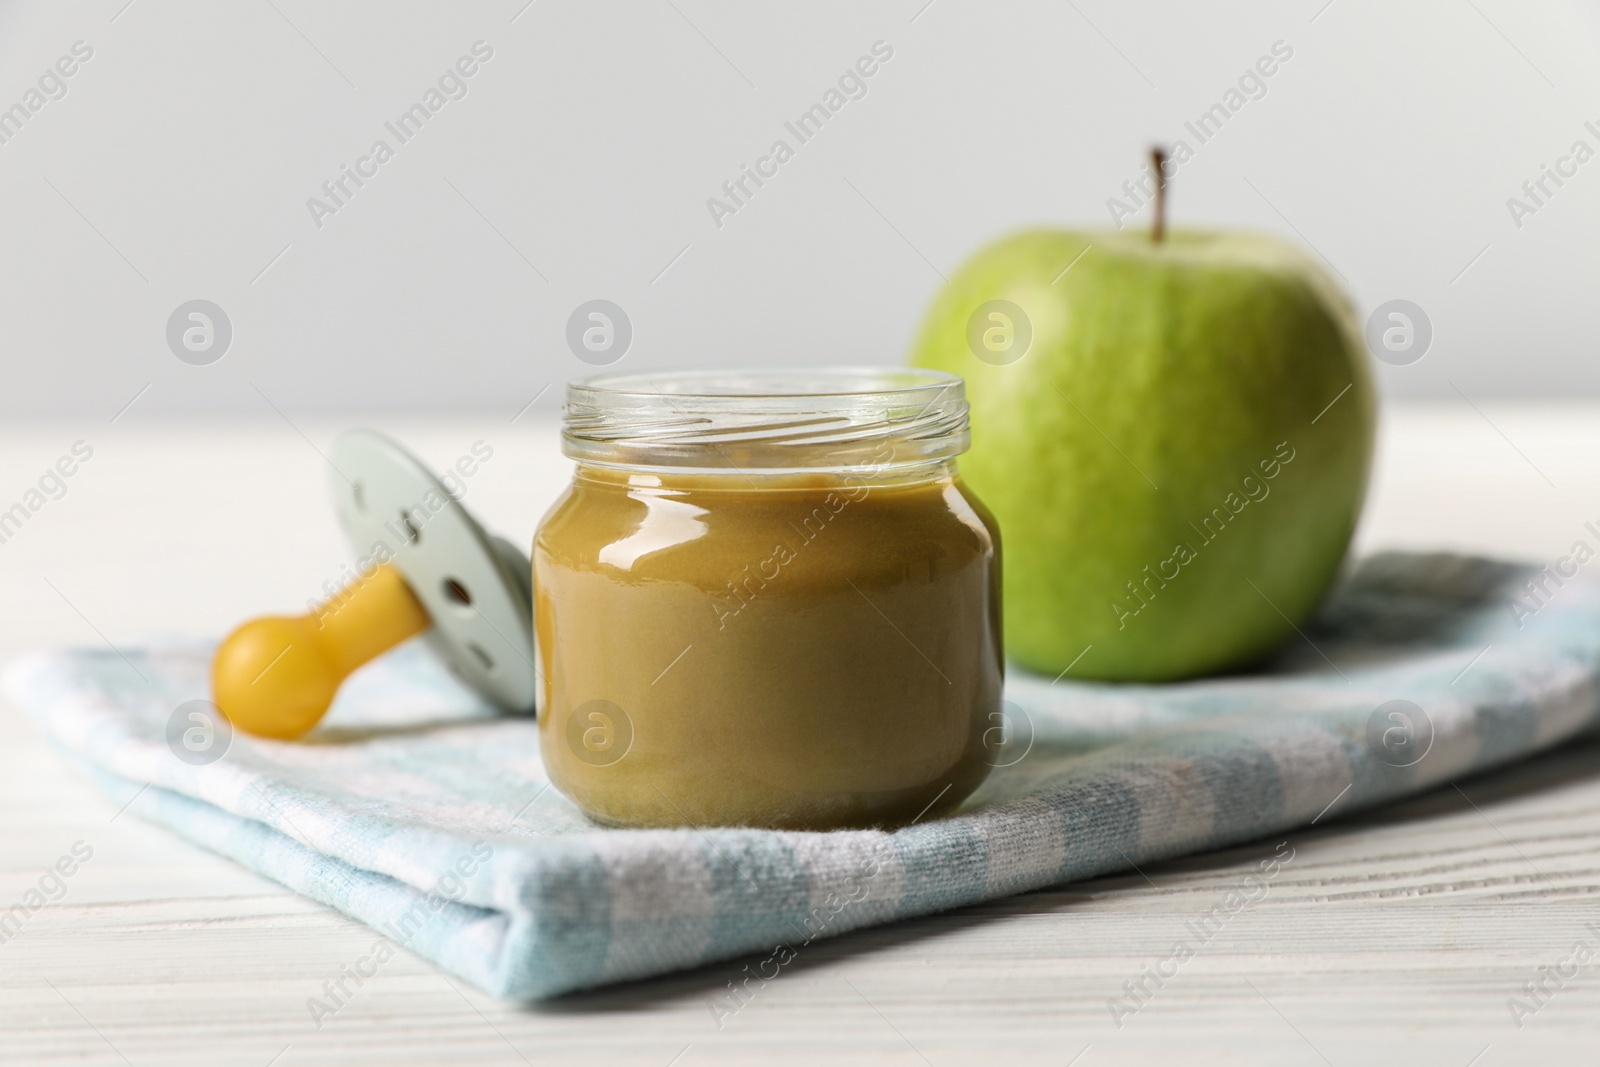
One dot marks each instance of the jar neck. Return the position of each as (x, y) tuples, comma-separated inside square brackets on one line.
[(826, 420), (643, 476)]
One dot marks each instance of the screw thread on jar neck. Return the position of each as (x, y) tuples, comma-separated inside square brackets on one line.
[(838, 419)]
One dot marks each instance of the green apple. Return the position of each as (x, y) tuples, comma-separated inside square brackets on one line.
[(1174, 434)]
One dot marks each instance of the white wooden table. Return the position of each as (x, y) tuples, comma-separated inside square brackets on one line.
[(1395, 937)]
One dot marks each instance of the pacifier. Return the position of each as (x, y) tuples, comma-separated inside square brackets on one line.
[(428, 568)]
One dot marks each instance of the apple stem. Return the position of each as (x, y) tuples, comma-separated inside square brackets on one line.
[(1158, 228)]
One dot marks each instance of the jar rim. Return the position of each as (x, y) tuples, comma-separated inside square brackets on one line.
[(790, 418)]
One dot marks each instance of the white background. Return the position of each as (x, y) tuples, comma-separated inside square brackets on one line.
[(179, 163)]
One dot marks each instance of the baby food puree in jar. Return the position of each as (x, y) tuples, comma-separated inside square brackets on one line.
[(767, 599)]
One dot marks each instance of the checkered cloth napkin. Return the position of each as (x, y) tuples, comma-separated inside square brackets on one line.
[(417, 811)]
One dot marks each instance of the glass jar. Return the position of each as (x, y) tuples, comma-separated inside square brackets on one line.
[(767, 599)]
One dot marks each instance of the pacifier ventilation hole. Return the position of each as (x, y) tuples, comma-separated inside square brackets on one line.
[(483, 657), (413, 531), (457, 593), (359, 490)]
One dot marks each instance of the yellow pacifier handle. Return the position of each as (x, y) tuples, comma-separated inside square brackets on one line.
[(275, 676)]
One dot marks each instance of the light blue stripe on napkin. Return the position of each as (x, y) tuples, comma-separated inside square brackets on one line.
[(418, 813)]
